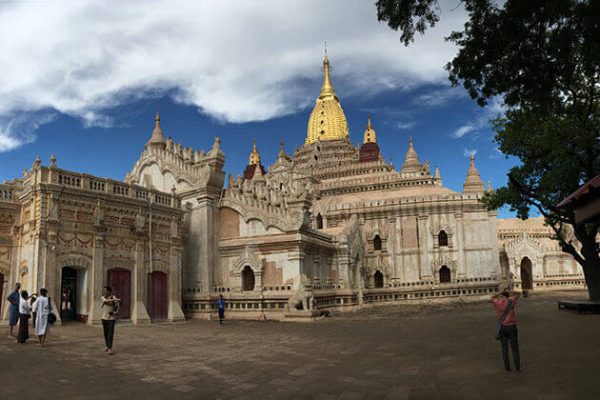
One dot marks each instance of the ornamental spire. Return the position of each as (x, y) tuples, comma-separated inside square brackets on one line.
[(473, 183), (411, 160), (327, 89), (254, 155), (157, 133), (370, 136)]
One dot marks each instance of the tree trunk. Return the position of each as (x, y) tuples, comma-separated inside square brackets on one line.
[(591, 270)]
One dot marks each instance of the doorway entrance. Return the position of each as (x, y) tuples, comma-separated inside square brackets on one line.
[(247, 279), (157, 296), (378, 279), (526, 274), (68, 299), (119, 279), (445, 276)]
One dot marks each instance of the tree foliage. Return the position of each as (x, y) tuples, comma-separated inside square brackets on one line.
[(542, 58)]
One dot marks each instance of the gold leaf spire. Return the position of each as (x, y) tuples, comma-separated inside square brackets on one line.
[(327, 89), (327, 120), (370, 136), (254, 155)]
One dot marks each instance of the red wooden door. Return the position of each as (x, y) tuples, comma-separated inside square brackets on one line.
[(119, 280), (157, 295)]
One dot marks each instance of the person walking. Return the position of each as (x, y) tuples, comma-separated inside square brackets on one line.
[(24, 310), (110, 308), (41, 307), (13, 309), (504, 302), (221, 308)]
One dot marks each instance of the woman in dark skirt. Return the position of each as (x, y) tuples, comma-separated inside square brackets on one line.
[(24, 310)]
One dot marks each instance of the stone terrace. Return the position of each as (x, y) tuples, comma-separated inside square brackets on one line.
[(424, 351)]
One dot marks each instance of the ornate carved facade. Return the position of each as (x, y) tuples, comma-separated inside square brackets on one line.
[(333, 223)]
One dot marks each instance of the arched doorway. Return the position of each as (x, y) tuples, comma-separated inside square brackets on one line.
[(68, 294), (319, 221), (445, 274), (157, 295), (526, 274), (247, 279), (378, 279), (119, 279)]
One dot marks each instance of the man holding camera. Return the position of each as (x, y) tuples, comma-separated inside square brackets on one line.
[(504, 302), (110, 309)]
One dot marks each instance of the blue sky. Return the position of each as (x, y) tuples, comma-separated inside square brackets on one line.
[(92, 104)]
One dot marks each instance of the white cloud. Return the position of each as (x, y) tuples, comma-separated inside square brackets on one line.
[(237, 61), (20, 130), (469, 152), (491, 111), (439, 97), (463, 130), (405, 125)]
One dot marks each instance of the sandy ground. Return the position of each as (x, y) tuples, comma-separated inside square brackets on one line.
[(428, 351)]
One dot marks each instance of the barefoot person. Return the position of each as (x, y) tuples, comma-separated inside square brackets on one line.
[(110, 308), (24, 310), (13, 309), (504, 302), (41, 307)]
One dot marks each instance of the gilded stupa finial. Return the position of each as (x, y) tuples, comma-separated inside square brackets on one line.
[(369, 136), (327, 120), (327, 88), (254, 155)]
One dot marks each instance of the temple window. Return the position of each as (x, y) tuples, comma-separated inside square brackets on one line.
[(319, 221), (377, 243), (443, 238)]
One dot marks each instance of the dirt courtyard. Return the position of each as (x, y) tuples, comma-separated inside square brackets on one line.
[(426, 351)]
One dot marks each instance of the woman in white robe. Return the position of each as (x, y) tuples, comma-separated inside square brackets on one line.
[(42, 308)]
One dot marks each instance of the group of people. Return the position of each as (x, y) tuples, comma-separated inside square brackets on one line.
[(22, 306)]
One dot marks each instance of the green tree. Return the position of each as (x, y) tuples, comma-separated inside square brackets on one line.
[(542, 58)]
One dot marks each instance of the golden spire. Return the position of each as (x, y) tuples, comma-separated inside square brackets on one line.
[(254, 155), (327, 89), (157, 133), (327, 120), (370, 136)]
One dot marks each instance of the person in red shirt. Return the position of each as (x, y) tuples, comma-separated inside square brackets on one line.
[(508, 328)]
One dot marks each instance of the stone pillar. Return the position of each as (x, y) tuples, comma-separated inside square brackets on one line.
[(201, 250), (296, 256), (97, 279), (140, 279), (424, 239), (175, 312), (392, 241), (494, 256), (52, 271), (344, 271), (460, 246)]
